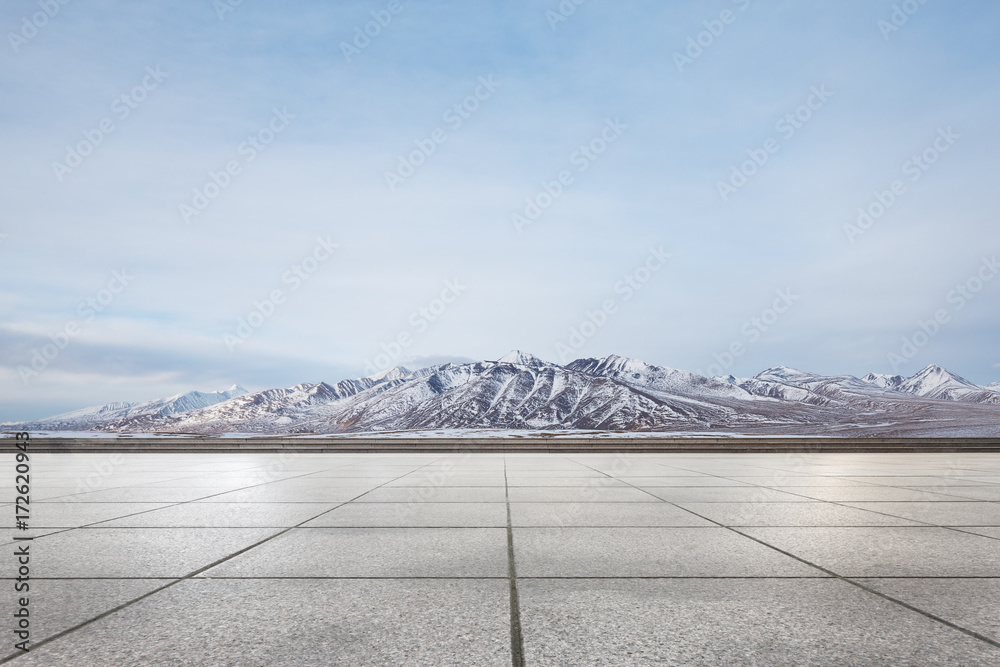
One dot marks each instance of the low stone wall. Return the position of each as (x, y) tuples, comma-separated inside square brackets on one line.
[(371, 445)]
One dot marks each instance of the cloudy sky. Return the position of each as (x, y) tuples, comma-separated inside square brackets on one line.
[(201, 193)]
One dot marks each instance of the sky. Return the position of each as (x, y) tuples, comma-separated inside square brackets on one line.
[(199, 193)]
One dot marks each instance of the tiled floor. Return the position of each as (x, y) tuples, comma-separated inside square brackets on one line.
[(484, 559)]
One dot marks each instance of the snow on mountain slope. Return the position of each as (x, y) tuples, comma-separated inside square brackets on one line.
[(196, 399), (884, 381), (506, 395), (261, 411), (396, 373), (936, 382), (658, 379), (521, 391), (95, 416), (519, 358), (790, 384)]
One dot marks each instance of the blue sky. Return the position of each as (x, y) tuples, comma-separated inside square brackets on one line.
[(337, 265)]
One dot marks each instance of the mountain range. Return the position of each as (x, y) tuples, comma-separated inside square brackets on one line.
[(521, 391)]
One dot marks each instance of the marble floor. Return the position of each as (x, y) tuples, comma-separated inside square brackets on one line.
[(524, 559)]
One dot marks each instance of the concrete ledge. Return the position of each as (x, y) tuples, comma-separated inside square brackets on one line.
[(370, 445)]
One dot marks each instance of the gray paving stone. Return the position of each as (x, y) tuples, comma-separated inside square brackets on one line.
[(648, 552), (731, 622), (578, 473), (725, 495), (375, 552), (450, 515), (602, 514), (370, 593), (700, 481), (806, 513), (223, 515), (941, 513), (598, 492), (444, 479), (57, 605), (434, 494), (910, 481), (571, 482), (986, 492), (654, 472), (136, 552), (792, 481), (7, 535), (298, 622), (72, 515), (206, 486), (993, 532), (875, 494), (968, 603), (290, 494), (888, 551), (52, 493), (340, 475), (134, 494)]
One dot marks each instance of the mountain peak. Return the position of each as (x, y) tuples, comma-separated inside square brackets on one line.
[(621, 363), (519, 358), (394, 373), (933, 377), (781, 372), (884, 381)]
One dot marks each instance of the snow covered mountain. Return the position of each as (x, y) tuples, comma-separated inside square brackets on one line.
[(936, 382), (884, 381), (271, 410), (93, 417), (519, 358), (521, 391), (789, 384), (659, 379), (931, 382)]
